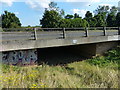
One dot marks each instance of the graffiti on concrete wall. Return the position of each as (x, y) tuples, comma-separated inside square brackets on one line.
[(23, 57)]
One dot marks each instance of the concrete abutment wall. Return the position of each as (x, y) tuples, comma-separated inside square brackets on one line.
[(95, 49), (20, 57)]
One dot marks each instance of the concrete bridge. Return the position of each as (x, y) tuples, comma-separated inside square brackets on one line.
[(22, 46)]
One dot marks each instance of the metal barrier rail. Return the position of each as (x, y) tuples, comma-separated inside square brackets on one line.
[(56, 33)]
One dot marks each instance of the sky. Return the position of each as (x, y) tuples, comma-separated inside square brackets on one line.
[(31, 11)]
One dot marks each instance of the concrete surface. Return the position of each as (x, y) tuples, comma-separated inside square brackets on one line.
[(32, 44)]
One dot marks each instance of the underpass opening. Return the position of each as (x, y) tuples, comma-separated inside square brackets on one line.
[(73, 53), (59, 55)]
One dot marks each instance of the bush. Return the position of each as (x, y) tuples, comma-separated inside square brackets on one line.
[(112, 56)]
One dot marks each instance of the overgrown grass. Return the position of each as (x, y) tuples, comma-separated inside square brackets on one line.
[(100, 72)]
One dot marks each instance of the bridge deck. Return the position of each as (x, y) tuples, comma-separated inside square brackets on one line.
[(41, 39)]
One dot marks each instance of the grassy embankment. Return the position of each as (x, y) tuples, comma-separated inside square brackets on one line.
[(100, 72)]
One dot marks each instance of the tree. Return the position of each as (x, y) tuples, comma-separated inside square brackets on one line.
[(73, 23), (65, 23), (92, 22), (62, 12), (111, 20), (9, 20), (53, 6), (68, 16), (89, 18), (114, 10), (102, 9), (118, 19), (0, 21), (99, 20), (88, 15), (102, 12), (76, 15), (51, 17)]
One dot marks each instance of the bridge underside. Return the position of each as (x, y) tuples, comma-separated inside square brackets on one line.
[(95, 49), (36, 56)]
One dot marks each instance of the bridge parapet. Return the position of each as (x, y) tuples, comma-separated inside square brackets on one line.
[(56, 33)]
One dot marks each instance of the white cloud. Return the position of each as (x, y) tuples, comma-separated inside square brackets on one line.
[(35, 4), (7, 2), (41, 4), (105, 5), (16, 13), (77, 0), (38, 4), (81, 12)]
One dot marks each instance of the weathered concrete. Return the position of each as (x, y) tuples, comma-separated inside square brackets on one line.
[(94, 49), (31, 44), (21, 57), (101, 48), (36, 56), (33, 56)]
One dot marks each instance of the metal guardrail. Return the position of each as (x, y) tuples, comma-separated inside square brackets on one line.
[(56, 33)]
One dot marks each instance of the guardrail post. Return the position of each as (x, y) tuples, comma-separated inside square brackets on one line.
[(118, 30), (64, 35), (35, 34), (104, 31), (86, 32)]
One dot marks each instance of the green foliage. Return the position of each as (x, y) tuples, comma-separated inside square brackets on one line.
[(90, 19), (102, 9), (51, 19), (112, 56), (53, 6), (114, 10), (100, 61), (0, 21), (68, 16), (88, 15), (100, 72), (65, 23), (9, 20), (76, 15), (52, 16), (7, 68), (104, 16), (71, 23), (74, 75), (111, 20), (100, 20), (118, 19)]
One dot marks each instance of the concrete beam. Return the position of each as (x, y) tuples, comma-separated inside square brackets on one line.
[(32, 44)]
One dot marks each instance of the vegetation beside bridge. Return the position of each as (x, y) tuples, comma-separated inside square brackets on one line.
[(99, 72), (54, 17)]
